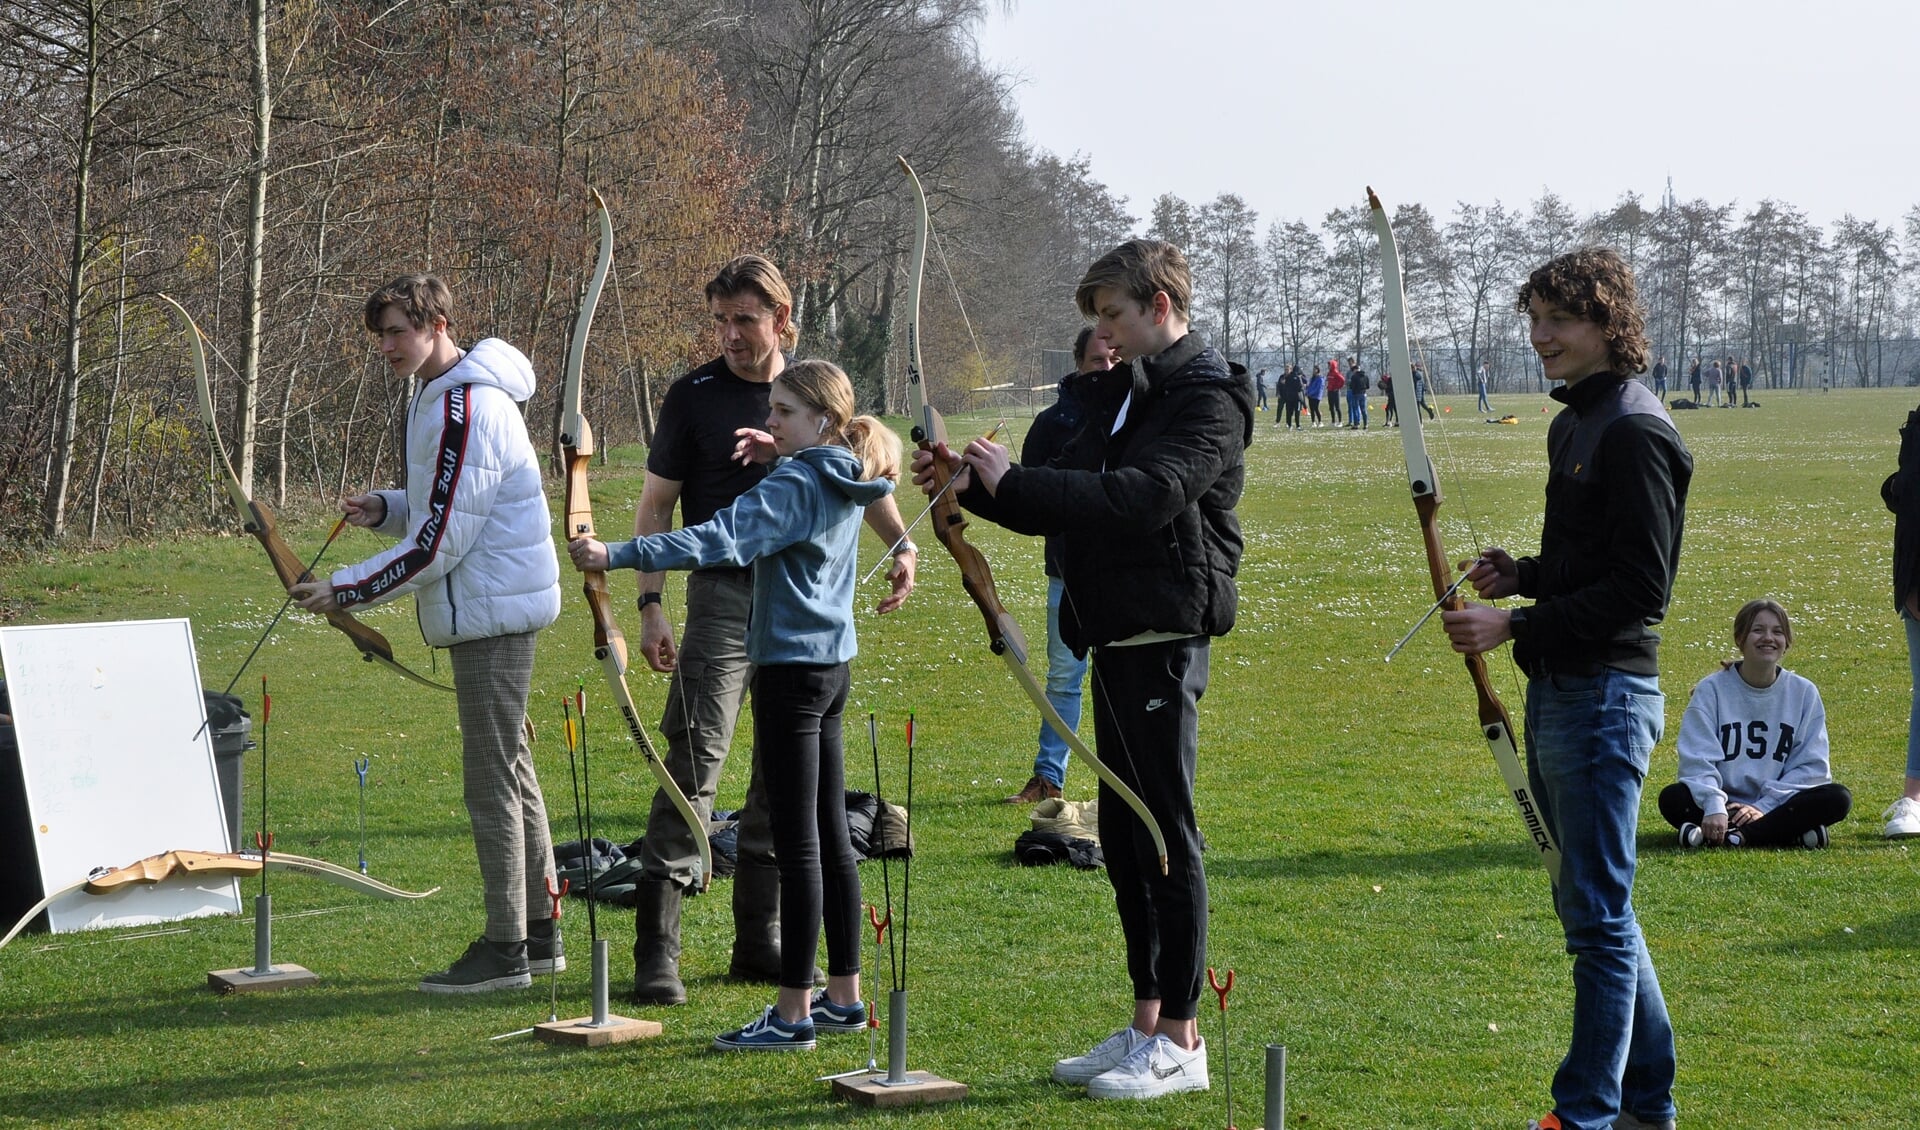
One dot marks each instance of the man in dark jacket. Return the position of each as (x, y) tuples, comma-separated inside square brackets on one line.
[(1617, 480), (1051, 430), (1141, 506)]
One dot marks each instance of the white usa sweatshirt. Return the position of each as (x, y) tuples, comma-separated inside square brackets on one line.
[(1755, 746)]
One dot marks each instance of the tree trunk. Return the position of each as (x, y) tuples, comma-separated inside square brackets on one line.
[(66, 417), (246, 409)]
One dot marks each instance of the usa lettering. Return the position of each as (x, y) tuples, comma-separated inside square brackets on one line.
[(1755, 740)]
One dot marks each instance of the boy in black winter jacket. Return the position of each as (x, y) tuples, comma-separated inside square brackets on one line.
[(1140, 505)]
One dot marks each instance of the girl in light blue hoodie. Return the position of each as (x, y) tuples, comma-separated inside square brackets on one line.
[(798, 529)]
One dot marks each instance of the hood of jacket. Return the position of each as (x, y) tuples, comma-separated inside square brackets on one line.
[(839, 469), (489, 362)]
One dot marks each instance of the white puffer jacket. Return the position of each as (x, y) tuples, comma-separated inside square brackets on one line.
[(476, 536)]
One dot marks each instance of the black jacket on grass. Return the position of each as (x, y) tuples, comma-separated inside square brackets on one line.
[(1153, 543), (1617, 481)]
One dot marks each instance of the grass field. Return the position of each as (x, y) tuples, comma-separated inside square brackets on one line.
[(1370, 883)]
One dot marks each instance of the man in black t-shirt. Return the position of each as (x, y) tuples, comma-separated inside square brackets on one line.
[(698, 460)]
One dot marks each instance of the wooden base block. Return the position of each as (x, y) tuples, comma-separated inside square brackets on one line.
[(581, 1032), (920, 1089), (284, 976)]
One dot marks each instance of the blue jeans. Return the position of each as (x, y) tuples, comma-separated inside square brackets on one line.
[(1065, 674), (1356, 409), (1589, 740), (1913, 712)]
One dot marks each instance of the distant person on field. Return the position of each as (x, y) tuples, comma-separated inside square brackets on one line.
[(1482, 377), (1260, 390), (1660, 378), (1420, 390), (1357, 385), (1693, 378), (1713, 377), (1392, 418), (1066, 672), (1292, 387), (1753, 749), (1316, 389), (1901, 493), (1336, 384), (1746, 384), (1731, 374)]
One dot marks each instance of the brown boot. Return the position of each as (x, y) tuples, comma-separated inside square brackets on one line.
[(1038, 789), (656, 944), (756, 926)]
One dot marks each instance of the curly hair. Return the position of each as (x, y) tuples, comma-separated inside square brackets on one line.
[(1594, 283)]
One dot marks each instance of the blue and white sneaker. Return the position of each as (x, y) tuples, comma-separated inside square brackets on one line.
[(769, 1033), (830, 1017)]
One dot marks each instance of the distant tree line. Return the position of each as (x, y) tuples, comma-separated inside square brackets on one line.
[(269, 164), (1800, 304)]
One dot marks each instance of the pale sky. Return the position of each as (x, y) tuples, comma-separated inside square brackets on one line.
[(1297, 107)]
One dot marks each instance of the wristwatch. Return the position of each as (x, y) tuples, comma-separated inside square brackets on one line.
[(647, 598), (906, 546)]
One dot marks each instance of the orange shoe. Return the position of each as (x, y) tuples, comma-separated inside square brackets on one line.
[(1549, 1122)]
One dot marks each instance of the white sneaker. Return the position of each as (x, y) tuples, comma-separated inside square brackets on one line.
[(1080, 1070), (1157, 1067), (1903, 819)]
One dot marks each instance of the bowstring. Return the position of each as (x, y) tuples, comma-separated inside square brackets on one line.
[(1066, 590), (1466, 506), (689, 709)]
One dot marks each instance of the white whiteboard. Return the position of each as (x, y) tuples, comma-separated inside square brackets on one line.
[(106, 716)]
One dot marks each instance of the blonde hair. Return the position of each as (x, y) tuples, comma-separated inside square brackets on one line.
[(822, 386)]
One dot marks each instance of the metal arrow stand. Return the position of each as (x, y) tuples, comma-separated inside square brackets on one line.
[(898, 1087), (602, 1028), (264, 976)]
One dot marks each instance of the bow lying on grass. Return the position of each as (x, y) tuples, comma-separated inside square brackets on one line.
[(210, 864)]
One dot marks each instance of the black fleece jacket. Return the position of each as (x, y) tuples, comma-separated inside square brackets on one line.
[(1142, 517), (1617, 482)]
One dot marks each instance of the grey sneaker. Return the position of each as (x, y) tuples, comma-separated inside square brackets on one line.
[(1691, 836), (1157, 1067), (485, 967), (1105, 1056), (1632, 1122), (1815, 837)]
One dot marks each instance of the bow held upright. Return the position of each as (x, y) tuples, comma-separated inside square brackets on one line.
[(1496, 725), (1004, 636), (609, 642)]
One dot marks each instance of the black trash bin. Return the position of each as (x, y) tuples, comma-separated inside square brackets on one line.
[(231, 727)]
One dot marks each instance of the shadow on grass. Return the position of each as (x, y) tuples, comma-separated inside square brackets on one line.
[(199, 1008), (1349, 862), (695, 1106), (1896, 933)]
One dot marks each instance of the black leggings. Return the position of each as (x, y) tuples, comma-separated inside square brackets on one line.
[(797, 744), (1802, 812), (1293, 413)]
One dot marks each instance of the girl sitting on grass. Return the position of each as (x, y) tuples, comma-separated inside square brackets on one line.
[(797, 527), (1753, 749)]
